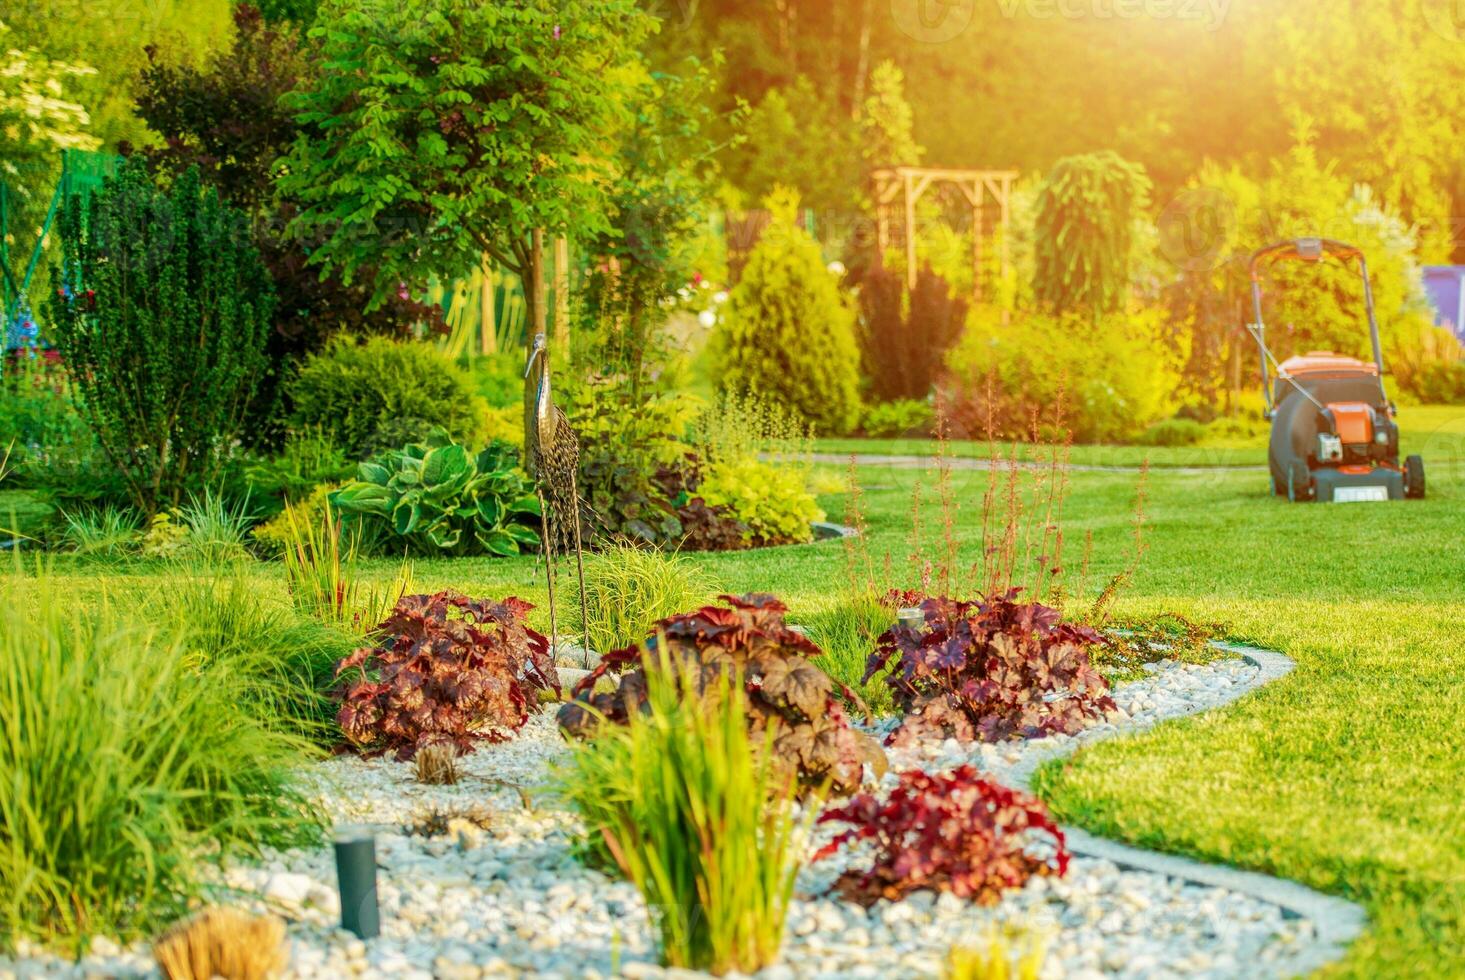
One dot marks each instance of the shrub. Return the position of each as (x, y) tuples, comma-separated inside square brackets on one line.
[(161, 309), (439, 500), (37, 416), (906, 417), (1084, 229), (954, 832), (698, 817), (746, 637), (304, 462), (704, 527), (904, 340), (625, 439), (625, 502), (788, 333), (1173, 432), (126, 763), (627, 589), (990, 670), (1439, 383), (378, 394), (770, 499), (447, 669), (1112, 377)]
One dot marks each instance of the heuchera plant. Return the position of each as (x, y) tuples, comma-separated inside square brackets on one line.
[(746, 638), (447, 669), (991, 670), (955, 832)]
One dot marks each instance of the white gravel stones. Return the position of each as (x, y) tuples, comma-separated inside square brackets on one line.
[(511, 900)]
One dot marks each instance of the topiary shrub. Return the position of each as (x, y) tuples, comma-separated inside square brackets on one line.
[(788, 333), (992, 670), (954, 832), (447, 670), (745, 638), (160, 309), (377, 394)]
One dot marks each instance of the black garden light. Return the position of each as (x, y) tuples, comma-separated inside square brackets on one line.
[(356, 878)]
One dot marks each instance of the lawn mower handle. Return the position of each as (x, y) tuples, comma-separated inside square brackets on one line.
[(1310, 250)]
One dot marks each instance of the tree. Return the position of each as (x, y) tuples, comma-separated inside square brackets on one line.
[(447, 129), (226, 119), (160, 310), (1084, 230), (887, 128), (655, 203), (118, 38), (38, 120), (788, 334), (794, 137)]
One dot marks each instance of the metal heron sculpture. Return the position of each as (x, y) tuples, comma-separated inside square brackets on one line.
[(552, 458)]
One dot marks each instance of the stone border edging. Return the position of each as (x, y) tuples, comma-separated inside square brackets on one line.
[(1338, 921)]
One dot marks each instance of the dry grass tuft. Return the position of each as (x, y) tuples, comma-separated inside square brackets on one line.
[(437, 765), (223, 942)]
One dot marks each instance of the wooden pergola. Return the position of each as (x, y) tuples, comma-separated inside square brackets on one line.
[(909, 183)]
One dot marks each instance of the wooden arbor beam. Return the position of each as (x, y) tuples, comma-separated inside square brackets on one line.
[(975, 185)]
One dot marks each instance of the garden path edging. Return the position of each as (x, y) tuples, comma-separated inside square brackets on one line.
[(1337, 921)]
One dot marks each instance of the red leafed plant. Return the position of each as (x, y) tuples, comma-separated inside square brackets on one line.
[(993, 670), (447, 669), (955, 832), (746, 638)]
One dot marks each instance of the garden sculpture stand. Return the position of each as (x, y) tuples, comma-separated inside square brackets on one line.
[(552, 457)]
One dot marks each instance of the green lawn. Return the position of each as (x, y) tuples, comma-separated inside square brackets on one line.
[(1435, 431), (1348, 775)]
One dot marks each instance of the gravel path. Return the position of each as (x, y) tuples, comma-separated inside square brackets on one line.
[(500, 893)]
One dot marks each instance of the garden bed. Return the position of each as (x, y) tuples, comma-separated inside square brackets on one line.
[(495, 889)]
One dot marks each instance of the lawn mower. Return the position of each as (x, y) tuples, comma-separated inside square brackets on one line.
[(1334, 437)]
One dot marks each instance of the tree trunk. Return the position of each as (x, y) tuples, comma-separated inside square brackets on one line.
[(533, 281)]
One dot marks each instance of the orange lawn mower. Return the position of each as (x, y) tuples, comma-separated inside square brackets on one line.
[(1334, 437)]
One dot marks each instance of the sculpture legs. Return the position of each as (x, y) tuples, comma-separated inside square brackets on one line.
[(579, 562), (548, 541)]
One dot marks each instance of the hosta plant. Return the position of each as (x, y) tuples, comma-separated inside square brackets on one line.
[(441, 500), (746, 638), (447, 670), (990, 670), (954, 832)]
